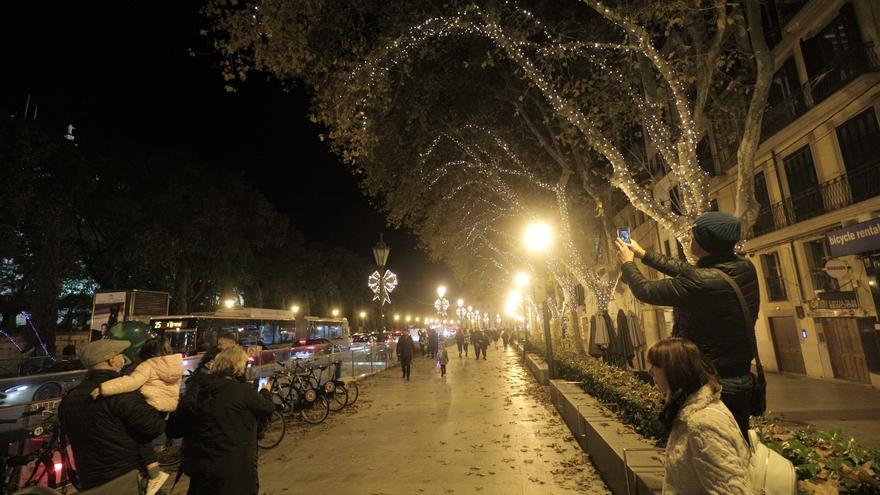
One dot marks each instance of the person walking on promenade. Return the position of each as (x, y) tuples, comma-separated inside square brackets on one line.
[(459, 341), (484, 342), (705, 451), (466, 337), (423, 341), (706, 306), (105, 434), (218, 420), (505, 339), (477, 341), (158, 379), (444, 360), (405, 350), (496, 334)]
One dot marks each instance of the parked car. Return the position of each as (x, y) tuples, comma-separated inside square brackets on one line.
[(382, 338), (310, 348), (360, 341)]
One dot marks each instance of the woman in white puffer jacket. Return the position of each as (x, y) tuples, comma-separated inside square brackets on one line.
[(705, 452)]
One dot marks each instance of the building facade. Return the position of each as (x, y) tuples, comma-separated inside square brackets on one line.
[(816, 242)]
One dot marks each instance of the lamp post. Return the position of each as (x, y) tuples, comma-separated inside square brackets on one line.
[(538, 240), (441, 305), (382, 282), (363, 315), (522, 280)]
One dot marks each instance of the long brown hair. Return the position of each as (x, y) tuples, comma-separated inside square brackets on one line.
[(684, 365)]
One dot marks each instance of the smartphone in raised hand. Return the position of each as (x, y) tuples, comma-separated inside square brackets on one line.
[(623, 234)]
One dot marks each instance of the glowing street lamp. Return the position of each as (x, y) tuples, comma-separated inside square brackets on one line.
[(335, 312), (294, 309), (229, 303), (538, 237), (521, 279)]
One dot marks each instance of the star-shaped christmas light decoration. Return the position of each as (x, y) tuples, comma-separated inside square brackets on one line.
[(382, 285)]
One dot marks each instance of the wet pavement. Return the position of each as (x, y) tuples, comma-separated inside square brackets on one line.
[(486, 428)]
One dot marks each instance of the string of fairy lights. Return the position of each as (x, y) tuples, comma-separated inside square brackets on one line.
[(487, 172)]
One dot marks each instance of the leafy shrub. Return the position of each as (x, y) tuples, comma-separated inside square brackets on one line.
[(827, 462)]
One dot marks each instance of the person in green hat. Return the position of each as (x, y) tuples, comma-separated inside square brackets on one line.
[(105, 434)]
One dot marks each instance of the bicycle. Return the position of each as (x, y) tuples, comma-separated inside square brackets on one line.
[(43, 459), (291, 393)]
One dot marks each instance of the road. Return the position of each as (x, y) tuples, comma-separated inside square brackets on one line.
[(487, 428)]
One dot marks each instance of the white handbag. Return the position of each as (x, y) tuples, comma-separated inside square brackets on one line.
[(769, 472)]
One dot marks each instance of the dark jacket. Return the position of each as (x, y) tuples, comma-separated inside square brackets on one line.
[(707, 310), (218, 420), (104, 434), (405, 346)]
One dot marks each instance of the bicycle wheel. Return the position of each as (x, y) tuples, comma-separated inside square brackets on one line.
[(337, 395), (272, 432), (316, 411), (353, 392)]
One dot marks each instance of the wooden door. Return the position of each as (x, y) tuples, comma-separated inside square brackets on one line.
[(845, 349), (787, 345)]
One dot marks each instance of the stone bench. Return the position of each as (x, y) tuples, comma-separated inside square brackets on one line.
[(538, 367)]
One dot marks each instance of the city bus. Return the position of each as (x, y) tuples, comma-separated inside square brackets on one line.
[(269, 335)]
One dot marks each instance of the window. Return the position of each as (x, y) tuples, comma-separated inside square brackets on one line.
[(704, 156), (764, 223), (674, 201), (785, 102), (817, 255), (859, 140), (775, 285), (835, 56), (775, 14), (805, 197)]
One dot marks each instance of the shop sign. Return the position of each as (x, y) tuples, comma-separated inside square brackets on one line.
[(855, 239), (836, 269), (830, 304)]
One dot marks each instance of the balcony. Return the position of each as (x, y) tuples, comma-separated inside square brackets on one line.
[(837, 193), (845, 68)]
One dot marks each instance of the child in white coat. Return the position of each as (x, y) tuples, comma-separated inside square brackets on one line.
[(158, 379)]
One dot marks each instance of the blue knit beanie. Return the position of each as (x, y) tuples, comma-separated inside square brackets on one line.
[(717, 232)]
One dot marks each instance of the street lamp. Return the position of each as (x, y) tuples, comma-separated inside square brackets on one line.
[(363, 315), (294, 309), (335, 312), (229, 303), (441, 305), (538, 239), (382, 282)]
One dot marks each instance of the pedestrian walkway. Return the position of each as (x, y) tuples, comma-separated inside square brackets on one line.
[(487, 428), (826, 404)]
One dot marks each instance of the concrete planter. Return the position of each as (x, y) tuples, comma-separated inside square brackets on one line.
[(628, 463), (538, 367)]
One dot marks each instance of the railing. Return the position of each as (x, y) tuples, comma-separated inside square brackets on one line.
[(846, 67), (829, 196)]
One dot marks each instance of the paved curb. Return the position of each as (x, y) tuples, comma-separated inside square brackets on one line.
[(627, 461)]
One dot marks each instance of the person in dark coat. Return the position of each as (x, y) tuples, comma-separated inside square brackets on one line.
[(405, 350), (505, 338), (706, 309), (218, 420), (485, 336), (459, 341), (477, 341), (224, 341), (104, 434)]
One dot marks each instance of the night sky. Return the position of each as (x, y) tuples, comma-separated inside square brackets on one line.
[(124, 72)]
